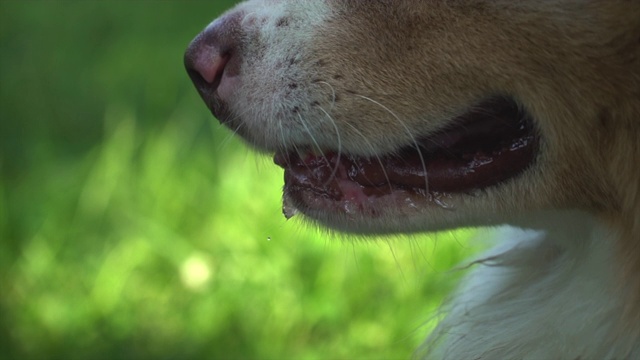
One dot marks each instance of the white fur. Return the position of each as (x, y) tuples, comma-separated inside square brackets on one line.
[(554, 284)]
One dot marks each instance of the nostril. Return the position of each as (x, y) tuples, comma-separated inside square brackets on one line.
[(205, 65), (213, 55), (205, 62)]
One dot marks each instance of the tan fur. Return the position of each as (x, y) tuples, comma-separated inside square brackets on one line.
[(367, 77)]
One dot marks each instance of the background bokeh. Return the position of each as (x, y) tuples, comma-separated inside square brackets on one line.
[(133, 226)]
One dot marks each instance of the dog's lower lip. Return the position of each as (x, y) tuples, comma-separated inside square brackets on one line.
[(489, 145)]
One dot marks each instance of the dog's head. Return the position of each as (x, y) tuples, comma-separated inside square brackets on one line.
[(408, 115)]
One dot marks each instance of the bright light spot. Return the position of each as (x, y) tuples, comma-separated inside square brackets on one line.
[(195, 272)]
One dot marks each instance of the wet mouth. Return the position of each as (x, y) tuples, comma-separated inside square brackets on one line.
[(491, 143)]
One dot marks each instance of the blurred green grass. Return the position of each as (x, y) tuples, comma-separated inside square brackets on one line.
[(133, 226)]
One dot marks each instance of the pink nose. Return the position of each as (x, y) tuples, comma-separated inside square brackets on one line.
[(214, 54), (209, 63)]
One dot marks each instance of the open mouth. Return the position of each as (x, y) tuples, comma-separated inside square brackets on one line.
[(490, 144)]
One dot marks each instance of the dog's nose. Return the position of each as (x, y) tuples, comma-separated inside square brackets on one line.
[(213, 55)]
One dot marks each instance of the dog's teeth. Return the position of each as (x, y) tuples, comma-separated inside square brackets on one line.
[(288, 209)]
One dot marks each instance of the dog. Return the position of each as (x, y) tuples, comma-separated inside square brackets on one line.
[(405, 116)]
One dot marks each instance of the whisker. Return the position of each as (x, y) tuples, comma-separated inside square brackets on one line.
[(313, 138), (234, 132), (231, 135), (283, 144), (333, 93), (335, 126), (373, 150), (413, 139)]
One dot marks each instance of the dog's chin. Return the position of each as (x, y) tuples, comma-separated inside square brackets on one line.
[(487, 147)]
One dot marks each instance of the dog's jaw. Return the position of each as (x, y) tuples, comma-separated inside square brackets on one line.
[(305, 83), (366, 78)]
